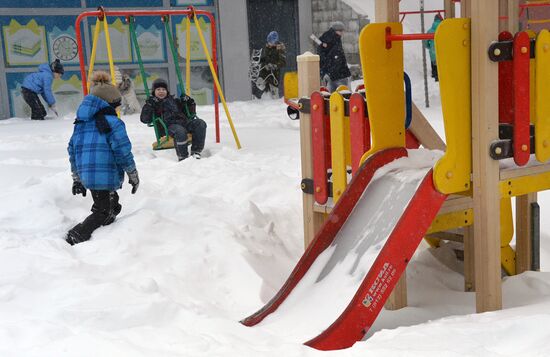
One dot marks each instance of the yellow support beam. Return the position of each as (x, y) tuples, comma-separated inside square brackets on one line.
[(94, 51), (523, 185), (452, 220)]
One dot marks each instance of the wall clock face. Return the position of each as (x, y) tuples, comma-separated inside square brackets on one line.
[(64, 48)]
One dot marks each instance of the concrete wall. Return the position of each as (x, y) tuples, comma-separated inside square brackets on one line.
[(234, 48)]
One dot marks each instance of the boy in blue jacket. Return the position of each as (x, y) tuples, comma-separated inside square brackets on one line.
[(41, 83), (100, 153)]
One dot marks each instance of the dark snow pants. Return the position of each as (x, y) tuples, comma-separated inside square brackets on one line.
[(197, 128), (104, 211), (38, 112)]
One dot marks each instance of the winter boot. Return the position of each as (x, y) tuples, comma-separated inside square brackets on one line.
[(77, 235), (196, 155)]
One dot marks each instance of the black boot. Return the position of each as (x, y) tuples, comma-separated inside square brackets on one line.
[(77, 235)]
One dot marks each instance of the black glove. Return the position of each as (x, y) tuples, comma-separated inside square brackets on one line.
[(133, 179), (189, 107), (153, 101), (78, 187)]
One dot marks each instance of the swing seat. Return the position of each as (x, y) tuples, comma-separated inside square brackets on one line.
[(168, 143)]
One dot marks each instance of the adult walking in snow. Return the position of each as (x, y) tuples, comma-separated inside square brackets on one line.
[(430, 45), (100, 153), (334, 66), (273, 58), (41, 83), (174, 114)]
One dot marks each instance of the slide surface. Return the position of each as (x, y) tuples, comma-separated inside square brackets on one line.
[(340, 284)]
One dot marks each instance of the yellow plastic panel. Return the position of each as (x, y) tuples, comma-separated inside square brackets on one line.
[(338, 145), (506, 222), (383, 76), (542, 97), (452, 46), (291, 85), (452, 220), (508, 260), (525, 184)]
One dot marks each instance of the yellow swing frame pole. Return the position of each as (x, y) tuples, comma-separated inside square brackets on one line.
[(94, 50), (188, 56), (216, 81), (109, 52)]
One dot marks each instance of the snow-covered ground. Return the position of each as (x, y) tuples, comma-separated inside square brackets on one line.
[(202, 245), (206, 243)]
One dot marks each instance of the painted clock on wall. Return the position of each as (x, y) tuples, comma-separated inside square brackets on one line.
[(64, 48)]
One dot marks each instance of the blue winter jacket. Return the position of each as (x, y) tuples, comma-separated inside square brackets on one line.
[(41, 83), (99, 159), (430, 44)]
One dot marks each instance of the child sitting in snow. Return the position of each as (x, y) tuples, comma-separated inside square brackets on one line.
[(100, 152), (41, 83), (174, 114)]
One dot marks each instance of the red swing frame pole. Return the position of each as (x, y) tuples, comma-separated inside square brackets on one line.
[(189, 12), (406, 37)]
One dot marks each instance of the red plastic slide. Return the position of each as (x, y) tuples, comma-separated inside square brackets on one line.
[(403, 237)]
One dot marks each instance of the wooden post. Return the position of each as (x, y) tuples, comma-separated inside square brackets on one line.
[(308, 82), (424, 132), (449, 7), (523, 232), (469, 268), (503, 15), (485, 169), (513, 16), (465, 8), (388, 11)]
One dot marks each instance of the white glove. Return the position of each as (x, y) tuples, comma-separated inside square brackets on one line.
[(54, 109)]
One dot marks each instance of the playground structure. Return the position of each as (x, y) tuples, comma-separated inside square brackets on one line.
[(191, 13), (364, 133)]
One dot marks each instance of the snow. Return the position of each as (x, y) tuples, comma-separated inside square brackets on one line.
[(204, 244)]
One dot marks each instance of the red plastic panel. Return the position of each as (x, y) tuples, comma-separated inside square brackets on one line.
[(411, 142), (330, 228), (319, 129), (359, 130), (521, 61), (377, 286), (505, 92)]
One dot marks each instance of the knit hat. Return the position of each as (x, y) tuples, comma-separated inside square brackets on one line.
[(57, 67), (103, 88), (338, 26), (273, 37), (160, 83)]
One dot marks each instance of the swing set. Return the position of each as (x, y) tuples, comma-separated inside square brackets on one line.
[(162, 141)]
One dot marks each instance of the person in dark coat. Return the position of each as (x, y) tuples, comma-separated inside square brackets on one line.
[(430, 45), (41, 83), (100, 153), (273, 58), (334, 66), (179, 116)]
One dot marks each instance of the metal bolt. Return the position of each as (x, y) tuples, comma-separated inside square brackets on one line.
[(524, 50), (449, 174), (317, 189), (524, 147), (497, 52), (545, 143), (354, 109), (465, 43), (498, 150), (335, 108), (315, 107)]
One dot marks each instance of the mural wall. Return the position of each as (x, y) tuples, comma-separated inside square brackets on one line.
[(41, 31)]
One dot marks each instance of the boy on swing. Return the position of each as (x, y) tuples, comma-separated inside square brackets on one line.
[(179, 117)]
